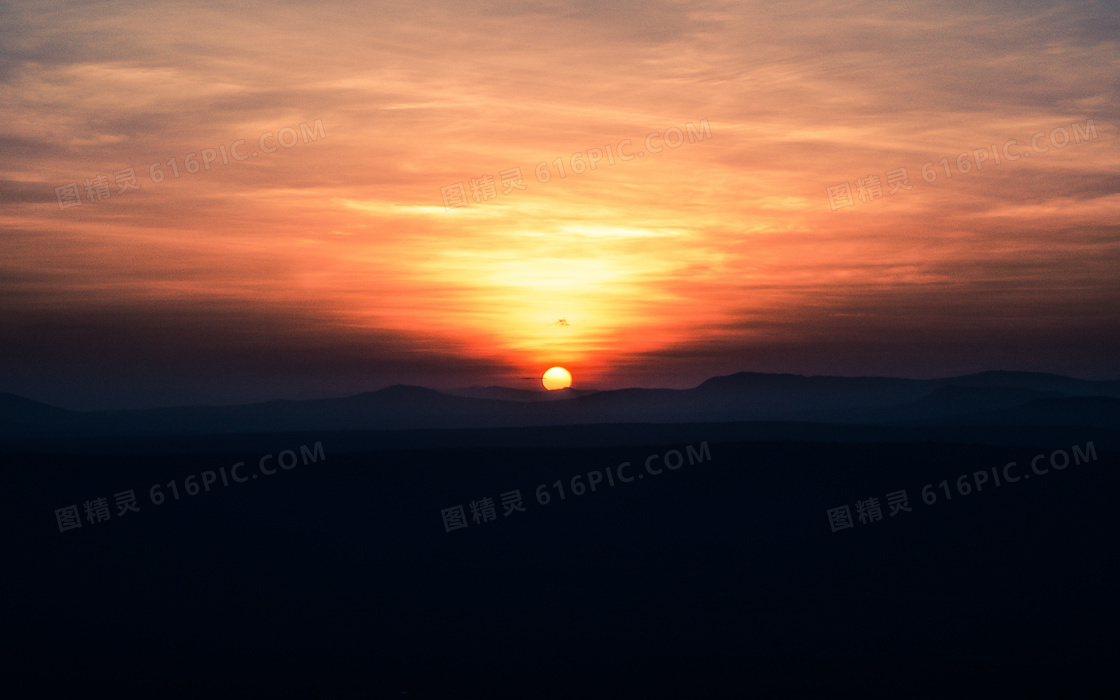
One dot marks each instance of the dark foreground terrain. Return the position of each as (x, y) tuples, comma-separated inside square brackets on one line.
[(721, 578)]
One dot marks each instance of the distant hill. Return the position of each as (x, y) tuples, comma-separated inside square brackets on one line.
[(502, 393), (18, 414), (989, 398)]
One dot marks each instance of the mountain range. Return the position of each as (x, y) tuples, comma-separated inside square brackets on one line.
[(988, 398)]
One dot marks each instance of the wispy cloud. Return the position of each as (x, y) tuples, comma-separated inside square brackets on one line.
[(729, 242)]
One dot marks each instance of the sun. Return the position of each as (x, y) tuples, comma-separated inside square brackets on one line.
[(557, 378)]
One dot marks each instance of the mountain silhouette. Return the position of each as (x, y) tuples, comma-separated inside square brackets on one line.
[(988, 398)]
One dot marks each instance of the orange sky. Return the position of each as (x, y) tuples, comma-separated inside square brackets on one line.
[(333, 266)]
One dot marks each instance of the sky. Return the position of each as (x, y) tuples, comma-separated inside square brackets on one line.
[(358, 221)]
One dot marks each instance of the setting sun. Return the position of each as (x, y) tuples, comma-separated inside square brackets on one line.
[(557, 378)]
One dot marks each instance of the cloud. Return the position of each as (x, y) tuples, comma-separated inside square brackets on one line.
[(730, 240)]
